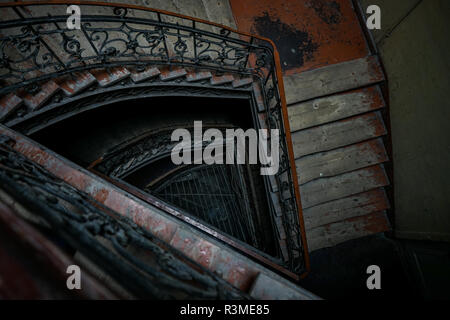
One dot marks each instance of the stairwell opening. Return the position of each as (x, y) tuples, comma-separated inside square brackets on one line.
[(230, 199)]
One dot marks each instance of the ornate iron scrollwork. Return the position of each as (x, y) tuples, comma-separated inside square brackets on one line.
[(82, 221), (33, 50), (27, 46)]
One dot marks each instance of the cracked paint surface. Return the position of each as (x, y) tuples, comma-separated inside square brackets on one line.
[(308, 34)]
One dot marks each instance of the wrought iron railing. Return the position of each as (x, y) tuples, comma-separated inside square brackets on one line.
[(81, 221), (36, 48), (37, 45)]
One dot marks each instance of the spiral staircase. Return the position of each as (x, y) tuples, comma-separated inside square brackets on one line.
[(67, 96), (133, 243)]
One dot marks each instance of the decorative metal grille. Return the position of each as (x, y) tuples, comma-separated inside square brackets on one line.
[(37, 48), (81, 221), (216, 194), (40, 48)]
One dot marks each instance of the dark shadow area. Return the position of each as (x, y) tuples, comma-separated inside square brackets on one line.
[(87, 136), (409, 269), (232, 200)]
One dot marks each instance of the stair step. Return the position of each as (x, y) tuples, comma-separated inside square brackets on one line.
[(144, 75), (242, 82), (338, 161), (229, 264), (8, 104), (171, 75), (347, 184), (338, 134), (331, 79), (344, 230), (198, 76), (106, 78), (33, 102), (265, 288), (82, 81), (341, 209), (336, 107), (221, 79)]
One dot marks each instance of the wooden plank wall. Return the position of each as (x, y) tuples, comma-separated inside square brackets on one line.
[(335, 105), (337, 138)]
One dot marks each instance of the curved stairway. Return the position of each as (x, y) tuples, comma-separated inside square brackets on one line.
[(31, 108), (337, 110)]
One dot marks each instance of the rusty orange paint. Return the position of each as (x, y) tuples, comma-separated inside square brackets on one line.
[(314, 33), (378, 174), (373, 96), (375, 70), (375, 146)]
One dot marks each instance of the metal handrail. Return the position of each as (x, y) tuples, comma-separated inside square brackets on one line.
[(36, 49), (85, 220)]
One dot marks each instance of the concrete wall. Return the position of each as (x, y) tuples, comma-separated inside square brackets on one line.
[(414, 47)]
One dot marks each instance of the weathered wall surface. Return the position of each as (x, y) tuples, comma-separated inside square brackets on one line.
[(414, 47), (218, 10), (332, 85)]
